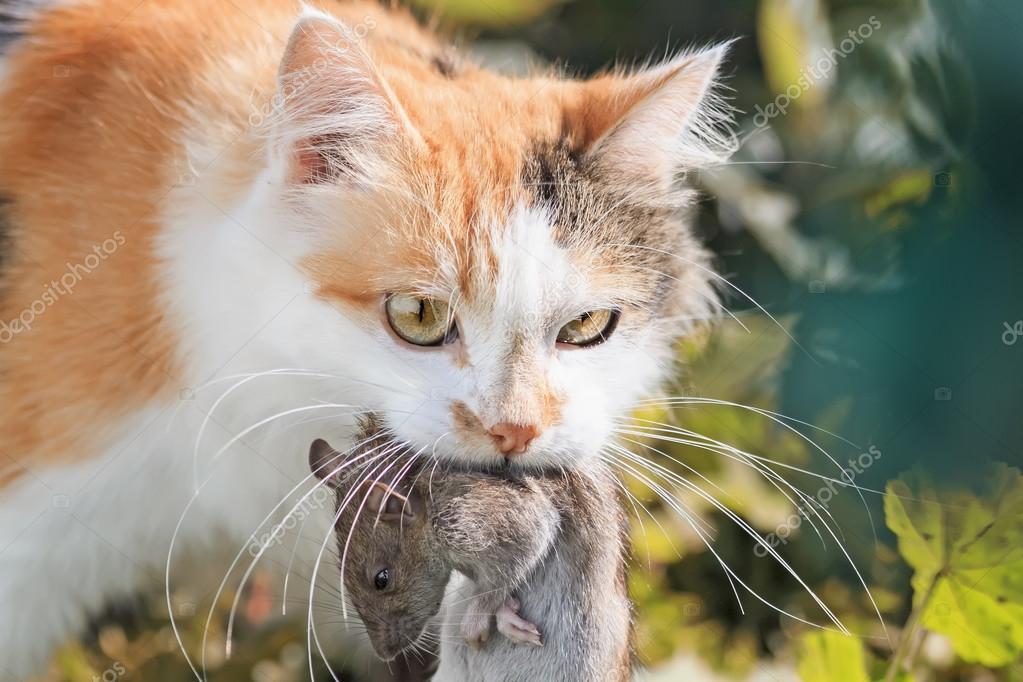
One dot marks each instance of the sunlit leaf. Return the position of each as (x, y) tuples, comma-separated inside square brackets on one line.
[(967, 555), (828, 656)]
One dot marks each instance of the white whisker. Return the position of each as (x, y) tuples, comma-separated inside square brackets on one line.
[(668, 498), (264, 547)]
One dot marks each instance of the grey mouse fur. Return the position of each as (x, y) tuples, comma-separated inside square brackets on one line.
[(543, 549), (421, 528), (577, 596)]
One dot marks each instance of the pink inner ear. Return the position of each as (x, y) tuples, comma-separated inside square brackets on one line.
[(386, 502), (321, 159), (397, 505), (311, 167)]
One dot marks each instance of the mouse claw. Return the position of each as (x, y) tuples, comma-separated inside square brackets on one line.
[(514, 627)]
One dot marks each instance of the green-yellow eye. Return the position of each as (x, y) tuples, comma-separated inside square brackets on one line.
[(590, 328), (419, 320)]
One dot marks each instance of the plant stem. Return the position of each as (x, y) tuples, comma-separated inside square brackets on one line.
[(907, 632)]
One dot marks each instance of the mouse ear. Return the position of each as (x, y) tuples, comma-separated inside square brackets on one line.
[(389, 504), (324, 460)]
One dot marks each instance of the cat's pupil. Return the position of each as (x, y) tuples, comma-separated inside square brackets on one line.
[(422, 310)]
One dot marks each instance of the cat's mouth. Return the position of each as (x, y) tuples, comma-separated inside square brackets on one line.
[(507, 440)]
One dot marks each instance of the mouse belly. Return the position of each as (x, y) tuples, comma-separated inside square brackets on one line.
[(585, 635)]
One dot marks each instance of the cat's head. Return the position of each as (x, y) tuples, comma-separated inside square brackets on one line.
[(506, 261)]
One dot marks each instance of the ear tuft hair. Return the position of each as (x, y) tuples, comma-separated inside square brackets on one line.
[(670, 117), (333, 108)]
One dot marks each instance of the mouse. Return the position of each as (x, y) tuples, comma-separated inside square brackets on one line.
[(450, 555), (399, 542)]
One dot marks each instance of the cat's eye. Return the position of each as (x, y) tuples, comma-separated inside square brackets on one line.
[(419, 320), (590, 328), (382, 579)]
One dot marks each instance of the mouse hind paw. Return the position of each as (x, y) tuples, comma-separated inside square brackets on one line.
[(514, 627)]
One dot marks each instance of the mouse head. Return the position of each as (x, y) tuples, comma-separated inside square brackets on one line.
[(393, 572)]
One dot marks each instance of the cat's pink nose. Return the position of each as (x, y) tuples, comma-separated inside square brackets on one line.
[(512, 439)]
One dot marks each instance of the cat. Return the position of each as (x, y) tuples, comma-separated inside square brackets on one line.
[(230, 228)]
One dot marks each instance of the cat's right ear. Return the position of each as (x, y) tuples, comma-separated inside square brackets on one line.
[(335, 115), (643, 129), (323, 461)]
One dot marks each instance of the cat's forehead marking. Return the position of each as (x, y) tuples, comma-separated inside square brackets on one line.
[(590, 205), (618, 240)]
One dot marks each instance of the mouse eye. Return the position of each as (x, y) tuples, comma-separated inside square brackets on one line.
[(382, 579)]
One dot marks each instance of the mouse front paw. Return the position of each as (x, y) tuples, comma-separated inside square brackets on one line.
[(514, 627), (476, 629)]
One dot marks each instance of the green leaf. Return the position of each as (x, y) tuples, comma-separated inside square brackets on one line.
[(829, 656), (967, 556)]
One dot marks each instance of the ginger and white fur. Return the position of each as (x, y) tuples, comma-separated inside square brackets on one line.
[(269, 175)]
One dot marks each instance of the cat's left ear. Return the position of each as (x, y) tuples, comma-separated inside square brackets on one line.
[(648, 126), (336, 116)]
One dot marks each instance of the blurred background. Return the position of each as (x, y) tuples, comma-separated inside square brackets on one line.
[(869, 227)]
